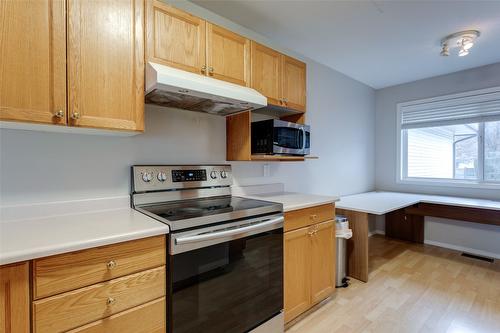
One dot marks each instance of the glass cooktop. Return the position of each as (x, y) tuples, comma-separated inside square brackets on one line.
[(188, 213)]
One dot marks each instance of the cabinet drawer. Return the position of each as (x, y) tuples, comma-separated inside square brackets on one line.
[(304, 217), (82, 306), (146, 318), (64, 272)]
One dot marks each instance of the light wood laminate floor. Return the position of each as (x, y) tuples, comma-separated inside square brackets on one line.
[(413, 288)]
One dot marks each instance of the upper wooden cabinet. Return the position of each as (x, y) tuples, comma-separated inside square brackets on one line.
[(106, 64), (175, 38), (101, 46), (294, 83), (228, 55), (280, 78), (266, 72), (14, 298), (178, 39), (33, 61)]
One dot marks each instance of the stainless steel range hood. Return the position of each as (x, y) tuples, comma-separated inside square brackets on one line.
[(171, 87)]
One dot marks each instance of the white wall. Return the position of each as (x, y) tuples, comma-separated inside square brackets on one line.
[(454, 233), (42, 167)]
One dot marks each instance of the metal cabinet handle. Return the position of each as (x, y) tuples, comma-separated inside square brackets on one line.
[(211, 70), (313, 217), (59, 114), (110, 301), (75, 115), (203, 69), (111, 264)]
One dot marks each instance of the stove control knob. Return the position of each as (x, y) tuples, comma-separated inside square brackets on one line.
[(213, 174), (223, 174), (162, 176), (147, 177)]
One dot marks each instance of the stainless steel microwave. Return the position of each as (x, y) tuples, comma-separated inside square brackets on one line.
[(278, 137)]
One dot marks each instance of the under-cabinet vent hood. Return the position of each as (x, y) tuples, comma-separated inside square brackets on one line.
[(171, 87)]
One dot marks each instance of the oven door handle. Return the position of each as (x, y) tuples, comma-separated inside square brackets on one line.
[(227, 233)]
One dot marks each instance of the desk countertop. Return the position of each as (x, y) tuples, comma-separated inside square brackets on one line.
[(380, 203)]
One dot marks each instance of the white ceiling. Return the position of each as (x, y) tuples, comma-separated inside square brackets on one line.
[(380, 43)]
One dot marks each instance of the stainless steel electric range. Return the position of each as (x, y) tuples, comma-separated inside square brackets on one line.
[(225, 253)]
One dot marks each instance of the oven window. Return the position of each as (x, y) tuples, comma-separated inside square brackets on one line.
[(287, 137), (308, 140), (228, 287)]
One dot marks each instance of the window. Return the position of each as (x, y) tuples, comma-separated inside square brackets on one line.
[(451, 139)]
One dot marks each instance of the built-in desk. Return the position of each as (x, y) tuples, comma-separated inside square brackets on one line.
[(361, 208)]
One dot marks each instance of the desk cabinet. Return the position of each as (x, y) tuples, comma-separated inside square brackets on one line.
[(408, 227)]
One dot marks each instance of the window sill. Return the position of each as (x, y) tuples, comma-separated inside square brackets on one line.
[(448, 183)]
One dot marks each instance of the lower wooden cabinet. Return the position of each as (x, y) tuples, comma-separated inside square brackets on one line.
[(14, 298), (119, 288), (76, 308), (115, 288), (297, 251), (322, 261), (309, 260)]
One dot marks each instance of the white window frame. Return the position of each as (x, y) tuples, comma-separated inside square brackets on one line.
[(402, 156)]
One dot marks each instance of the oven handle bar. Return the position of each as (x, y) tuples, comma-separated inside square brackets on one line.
[(227, 233)]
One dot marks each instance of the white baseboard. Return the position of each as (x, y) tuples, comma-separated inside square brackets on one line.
[(376, 232), (463, 249)]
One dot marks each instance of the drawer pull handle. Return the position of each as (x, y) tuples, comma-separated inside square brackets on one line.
[(111, 264), (314, 217), (110, 301)]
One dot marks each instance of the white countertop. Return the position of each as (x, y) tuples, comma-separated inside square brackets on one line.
[(293, 200), (30, 238), (379, 203)]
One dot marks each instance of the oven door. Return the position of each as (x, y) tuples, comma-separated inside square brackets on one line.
[(290, 138), (227, 278)]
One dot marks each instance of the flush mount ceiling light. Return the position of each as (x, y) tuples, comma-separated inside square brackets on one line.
[(462, 40)]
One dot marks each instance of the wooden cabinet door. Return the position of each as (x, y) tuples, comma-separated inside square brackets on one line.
[(322, 261), (294, 83), (14, 298), (266, 72), (297, 278), (106, 64), (228, 55), (33, 61), (175, 38)]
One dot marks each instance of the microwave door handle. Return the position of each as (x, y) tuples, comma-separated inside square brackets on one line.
[(232, 232), (303, 140)]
